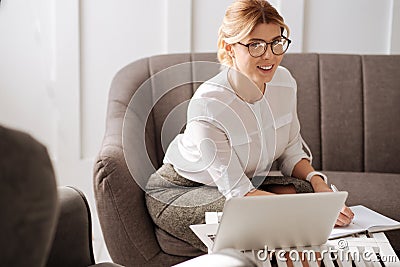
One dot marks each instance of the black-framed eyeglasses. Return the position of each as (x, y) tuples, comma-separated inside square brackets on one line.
[(257, 48)]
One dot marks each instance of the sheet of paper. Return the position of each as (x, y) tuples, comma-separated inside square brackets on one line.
[(213, 217), (368, 218), (345, 231), (205, 232)]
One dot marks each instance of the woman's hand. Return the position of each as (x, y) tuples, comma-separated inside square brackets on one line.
[(345, 215)]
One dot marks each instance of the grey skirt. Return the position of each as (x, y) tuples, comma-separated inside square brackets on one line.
[(174, 202)]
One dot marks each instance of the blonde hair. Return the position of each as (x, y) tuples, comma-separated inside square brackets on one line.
[(240, 19)]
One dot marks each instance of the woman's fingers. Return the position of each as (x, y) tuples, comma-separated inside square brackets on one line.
[(347, 212), (345, 217)]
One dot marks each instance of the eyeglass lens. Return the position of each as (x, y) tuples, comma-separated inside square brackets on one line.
[(278, 47)]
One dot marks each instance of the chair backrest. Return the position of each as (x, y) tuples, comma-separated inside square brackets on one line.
[(348, 108)]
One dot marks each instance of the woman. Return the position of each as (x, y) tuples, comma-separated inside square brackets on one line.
[(239, 122)]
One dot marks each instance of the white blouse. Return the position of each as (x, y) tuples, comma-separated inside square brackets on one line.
[(227, 141)]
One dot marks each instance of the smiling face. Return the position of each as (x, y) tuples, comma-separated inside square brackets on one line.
[(260, 70)]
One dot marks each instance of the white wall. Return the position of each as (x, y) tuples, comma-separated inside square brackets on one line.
[(27, 96), (322, 26), (395, 28), (357, 26), (207, 17), (58, 57), (112, 34)]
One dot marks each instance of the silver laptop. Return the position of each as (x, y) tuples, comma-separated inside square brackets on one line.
[(280, 221)]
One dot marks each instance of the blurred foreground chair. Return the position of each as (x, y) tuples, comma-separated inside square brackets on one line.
[(41, 225)]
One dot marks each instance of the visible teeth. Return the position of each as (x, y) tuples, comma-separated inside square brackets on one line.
[(265, 67)]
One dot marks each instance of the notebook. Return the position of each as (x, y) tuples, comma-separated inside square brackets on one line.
[(277, 221), (364, 220)]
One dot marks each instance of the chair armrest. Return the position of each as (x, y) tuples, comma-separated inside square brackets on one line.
[(122, 210), (72, 244)]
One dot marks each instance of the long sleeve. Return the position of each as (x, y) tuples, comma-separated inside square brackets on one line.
[(293, 152), (210, 145), (228, 140)]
